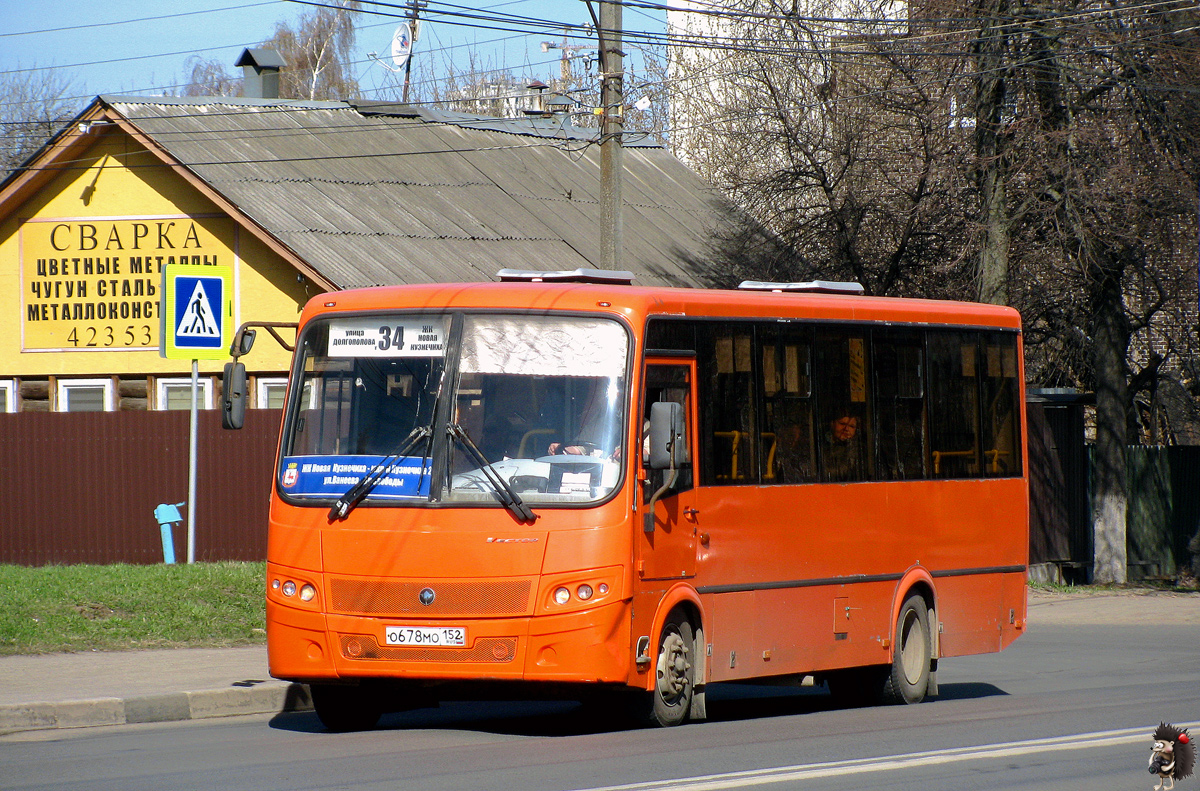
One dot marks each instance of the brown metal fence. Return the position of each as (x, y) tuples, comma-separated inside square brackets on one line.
[(82, 487)]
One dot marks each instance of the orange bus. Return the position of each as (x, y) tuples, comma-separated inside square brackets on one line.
[(565, 481)]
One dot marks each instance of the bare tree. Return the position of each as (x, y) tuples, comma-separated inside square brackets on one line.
[(319, 52), (34, 105), (1034, 152), (208, 77), (1095, 175), (837, 140)]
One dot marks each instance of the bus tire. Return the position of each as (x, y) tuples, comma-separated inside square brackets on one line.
[(344, 708), (908, 680), (674, 672)]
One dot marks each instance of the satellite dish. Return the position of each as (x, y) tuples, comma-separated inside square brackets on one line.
[(402, 43)]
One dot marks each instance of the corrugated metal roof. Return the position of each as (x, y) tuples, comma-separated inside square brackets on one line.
[(386, 193)]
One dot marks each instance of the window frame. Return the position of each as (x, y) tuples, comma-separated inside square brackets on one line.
[(9, 399), (162, 383), (262, 383), (62, 387)]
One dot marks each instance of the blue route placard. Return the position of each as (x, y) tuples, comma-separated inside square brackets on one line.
[(332, 476)]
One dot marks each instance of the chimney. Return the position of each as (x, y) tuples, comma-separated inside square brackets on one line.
[(260, 73)]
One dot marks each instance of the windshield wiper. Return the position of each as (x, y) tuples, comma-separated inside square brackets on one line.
[(504, 492), (355, 494)]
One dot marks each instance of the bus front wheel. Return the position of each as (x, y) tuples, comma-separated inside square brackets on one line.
[(908, 680), (343, 708), (674, 671)]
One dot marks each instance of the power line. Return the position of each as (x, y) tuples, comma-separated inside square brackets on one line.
[(92, 25)]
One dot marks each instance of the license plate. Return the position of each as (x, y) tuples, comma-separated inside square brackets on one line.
[(426, 636)]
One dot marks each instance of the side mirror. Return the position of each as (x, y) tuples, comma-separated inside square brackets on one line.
[(243, 343), (668, 444), (233, 396)]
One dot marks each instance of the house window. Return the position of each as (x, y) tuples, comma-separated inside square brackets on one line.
[(177, 393), (8, 395), (86, 395), (269, 392)]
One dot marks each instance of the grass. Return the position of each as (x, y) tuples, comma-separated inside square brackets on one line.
[(120, 607), (1178, 585)]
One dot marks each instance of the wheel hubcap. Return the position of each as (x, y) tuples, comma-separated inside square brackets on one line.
[(674, 668), (912, 648)]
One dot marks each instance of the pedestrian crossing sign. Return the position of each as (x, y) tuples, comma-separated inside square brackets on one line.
[(197, 314)]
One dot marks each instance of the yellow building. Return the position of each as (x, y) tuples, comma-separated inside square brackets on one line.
[(298, 198)]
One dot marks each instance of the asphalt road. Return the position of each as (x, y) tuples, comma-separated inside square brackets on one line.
[(1070, 706)]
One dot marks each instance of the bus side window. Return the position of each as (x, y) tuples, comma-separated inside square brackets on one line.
[(787, 439), (726, 361), (901, 445), (954, 405), (840, 381), (1001, 446)]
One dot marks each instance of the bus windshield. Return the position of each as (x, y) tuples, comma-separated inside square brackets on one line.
[(540, 399)]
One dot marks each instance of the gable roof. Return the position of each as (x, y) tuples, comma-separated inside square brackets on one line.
[(384, 193)]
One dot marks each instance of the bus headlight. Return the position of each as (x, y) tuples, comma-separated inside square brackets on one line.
[(308, 592), (584, 592), (289, 588), (562, 596)]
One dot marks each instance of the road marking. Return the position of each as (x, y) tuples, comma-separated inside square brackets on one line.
[(887, 763)]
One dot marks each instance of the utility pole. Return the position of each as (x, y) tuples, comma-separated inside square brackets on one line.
[(612, 122), (412, 31)]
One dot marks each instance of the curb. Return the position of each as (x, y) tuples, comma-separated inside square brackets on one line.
[(274, 697)]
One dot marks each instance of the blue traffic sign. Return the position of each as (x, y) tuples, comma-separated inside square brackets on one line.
[(197, 301)]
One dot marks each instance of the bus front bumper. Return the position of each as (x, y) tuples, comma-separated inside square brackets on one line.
[(579, 647)]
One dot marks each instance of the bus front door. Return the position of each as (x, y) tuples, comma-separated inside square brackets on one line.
[(667, 544)]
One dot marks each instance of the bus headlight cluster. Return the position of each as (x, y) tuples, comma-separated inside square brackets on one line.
[(289, 589), (582, 592)]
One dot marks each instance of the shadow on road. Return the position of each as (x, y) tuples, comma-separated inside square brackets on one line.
[(726, 703), (968, 691)]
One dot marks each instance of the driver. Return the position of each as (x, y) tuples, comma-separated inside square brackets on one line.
[(596, 421)]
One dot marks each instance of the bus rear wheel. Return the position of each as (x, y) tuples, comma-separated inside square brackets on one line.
[(674, 673), (343, 708), (908, 680)]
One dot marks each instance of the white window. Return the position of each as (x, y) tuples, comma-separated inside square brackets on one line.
[(176, 393), (86, 395), (269, 392), (8, 395)]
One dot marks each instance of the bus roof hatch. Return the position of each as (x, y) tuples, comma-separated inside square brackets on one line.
[(810, 287), (612, 277)]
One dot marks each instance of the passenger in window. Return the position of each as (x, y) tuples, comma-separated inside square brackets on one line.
[(841, 455)]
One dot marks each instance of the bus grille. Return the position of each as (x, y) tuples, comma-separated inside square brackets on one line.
[(398, 597), (486, 649)]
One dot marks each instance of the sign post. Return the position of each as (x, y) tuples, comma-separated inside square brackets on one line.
[(197, 317)]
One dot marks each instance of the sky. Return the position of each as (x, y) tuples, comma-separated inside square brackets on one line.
[(139, 47)]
